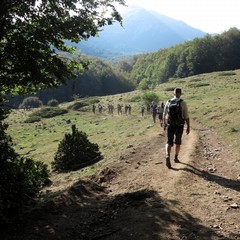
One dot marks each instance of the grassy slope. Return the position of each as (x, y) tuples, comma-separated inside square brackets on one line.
[(212, 100)]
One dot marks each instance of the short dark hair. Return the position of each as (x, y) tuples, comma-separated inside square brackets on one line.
[(177, 90)]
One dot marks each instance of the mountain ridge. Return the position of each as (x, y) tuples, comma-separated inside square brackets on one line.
[(142, 31)]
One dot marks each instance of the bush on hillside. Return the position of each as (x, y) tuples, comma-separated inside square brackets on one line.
[(75, 151), (83, 104), (146, 84), (20, 179), (137, 98), (228, 73), (33, 119), (53, 103), (48, 112), (195, 85), (148, 97), (91, 100), (31, 102), (78, 106)]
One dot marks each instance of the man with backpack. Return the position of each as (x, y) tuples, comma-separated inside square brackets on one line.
[(175, 115), (154, 111)]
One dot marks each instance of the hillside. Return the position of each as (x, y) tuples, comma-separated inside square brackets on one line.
[(97, 80), (131, 194), (142, 31), (201, 55)]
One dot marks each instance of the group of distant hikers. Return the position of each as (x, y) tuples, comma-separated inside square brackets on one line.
[(110, 108), (127, 110), (172, 117)]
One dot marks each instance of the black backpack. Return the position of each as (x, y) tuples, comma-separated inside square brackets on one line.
[(175, 112)]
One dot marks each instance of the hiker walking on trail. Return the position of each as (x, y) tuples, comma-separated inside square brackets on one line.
[(142, 108), (160, 110), (94, 108), (175, 115), (129, 109), (148, 108), (154, 111)]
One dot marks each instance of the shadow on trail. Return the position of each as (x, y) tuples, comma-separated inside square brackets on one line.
[(227, 183), (87, 212), (146, 215)]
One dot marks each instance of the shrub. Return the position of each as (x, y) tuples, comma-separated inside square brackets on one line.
[(20, 179), (53, 103), (91, 100), (229, 73), (233, 130), (75, 151), (195, 85), (48, 112), (31, 102), (136, 98), (78, 105), (81, 105), (149, 97), (32, 119), (146, 84)]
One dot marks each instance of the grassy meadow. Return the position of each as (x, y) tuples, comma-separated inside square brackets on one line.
[(212, 100)]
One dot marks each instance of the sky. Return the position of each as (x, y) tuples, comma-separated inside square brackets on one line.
[(210, 16)]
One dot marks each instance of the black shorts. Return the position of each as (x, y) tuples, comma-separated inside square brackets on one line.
[(160, 116), (174, 134)]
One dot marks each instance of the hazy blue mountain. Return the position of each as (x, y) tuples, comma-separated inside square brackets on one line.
[(142, 31)]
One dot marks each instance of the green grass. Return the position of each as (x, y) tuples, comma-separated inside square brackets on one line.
[(113, 134), (214, 104)]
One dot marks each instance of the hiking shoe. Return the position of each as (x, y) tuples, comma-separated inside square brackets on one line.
[(176, 160), (168, 164)]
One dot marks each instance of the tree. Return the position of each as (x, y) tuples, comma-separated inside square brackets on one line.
[(21, 179), (32, 32), (124, 66), (147, 84), (32, 46), (75, 151), (230, 49), (148, 97)]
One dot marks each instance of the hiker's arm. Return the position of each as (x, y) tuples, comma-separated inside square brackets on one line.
[(165, 115), (188, 125)]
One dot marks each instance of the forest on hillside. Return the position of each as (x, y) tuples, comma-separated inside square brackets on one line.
[(99, 79), (201, 55)]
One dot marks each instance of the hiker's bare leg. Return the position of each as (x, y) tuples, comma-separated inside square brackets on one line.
[(177, 149), (168, 149)]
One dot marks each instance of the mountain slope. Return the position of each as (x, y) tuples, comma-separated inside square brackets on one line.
[(142, 31)]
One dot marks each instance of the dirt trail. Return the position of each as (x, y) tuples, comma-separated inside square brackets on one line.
[(199, 197), (144, 167), (138, 198)]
